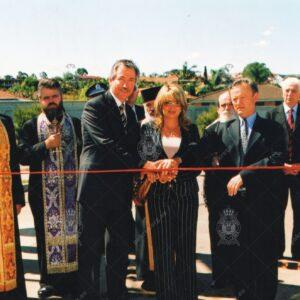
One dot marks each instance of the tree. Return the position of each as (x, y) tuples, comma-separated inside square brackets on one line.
[(81, 71), (8, 77), (21, 76), (186, 73), (43, 75), (258, 72)]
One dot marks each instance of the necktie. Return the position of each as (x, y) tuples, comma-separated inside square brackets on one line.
[(244, 134), (291, 119), (291, 123), (122, 113)]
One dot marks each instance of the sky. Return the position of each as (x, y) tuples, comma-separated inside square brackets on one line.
[(159, 35)]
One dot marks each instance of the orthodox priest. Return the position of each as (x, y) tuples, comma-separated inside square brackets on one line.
[(51, 143), (12, 285)]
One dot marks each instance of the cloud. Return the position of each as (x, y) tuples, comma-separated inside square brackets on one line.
[(262, 43), (268, 31), (194, 55)]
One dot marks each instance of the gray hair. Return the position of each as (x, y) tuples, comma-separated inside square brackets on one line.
[(290, 80), (128, 64)]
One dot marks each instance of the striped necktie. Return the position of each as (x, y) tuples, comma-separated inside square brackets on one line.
[(291, 124), (244, 134), (122, 113)]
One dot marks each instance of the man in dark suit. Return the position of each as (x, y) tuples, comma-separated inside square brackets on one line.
[(250, 222), (12, 283), (288, 116), (110, 136), (52, 142), (222, 256)]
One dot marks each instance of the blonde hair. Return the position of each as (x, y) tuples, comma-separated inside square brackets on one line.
[(167, 92)]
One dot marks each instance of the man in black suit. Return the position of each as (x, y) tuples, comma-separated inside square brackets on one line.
[(110, 136), (222, 256), (250, 222), (288, 116), (52, 142), (12, 283)]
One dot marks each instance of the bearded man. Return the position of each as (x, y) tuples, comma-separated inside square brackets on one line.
[(51, 143)]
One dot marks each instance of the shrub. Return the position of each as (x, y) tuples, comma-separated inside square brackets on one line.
[(206, 118), (21, 115)]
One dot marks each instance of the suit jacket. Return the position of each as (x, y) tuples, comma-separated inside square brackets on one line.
[(32, 154), (192, 150), (278, 115), (266, 147), (140, 112), (17, 187), (107, 145)]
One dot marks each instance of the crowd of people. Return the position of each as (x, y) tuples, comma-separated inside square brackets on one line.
[(81, 215)]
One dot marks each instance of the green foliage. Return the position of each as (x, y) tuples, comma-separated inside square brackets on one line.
[(21, 115), (26, 88), (257, 72), (206, 118), (81, 71)]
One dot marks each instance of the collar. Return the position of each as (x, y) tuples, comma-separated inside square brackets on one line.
[(250, 120), (118, 102), (286, 108)]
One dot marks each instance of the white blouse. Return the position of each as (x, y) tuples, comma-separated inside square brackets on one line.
[(171, 145)]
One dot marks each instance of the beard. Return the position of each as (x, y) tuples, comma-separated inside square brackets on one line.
[(54, 111), (226, 116), (148, 117)]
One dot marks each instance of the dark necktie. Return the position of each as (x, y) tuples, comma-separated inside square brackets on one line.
[(291, 123), (244, 134), (290, 119), (122, 113)]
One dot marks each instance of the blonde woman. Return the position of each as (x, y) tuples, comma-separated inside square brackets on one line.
[(172, 141)]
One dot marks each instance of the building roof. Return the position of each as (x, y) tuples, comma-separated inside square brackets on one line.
[(160, 80), (5, 94), (267, 92)]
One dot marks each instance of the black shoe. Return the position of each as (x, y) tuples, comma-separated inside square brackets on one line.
[(46, 291), (149, 285)]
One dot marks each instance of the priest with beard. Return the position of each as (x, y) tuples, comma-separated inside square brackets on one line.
[(221, 256), (51, 143), (12, 284)]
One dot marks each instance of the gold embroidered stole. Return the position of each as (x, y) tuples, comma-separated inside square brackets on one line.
[(59, 197), (8, 269)]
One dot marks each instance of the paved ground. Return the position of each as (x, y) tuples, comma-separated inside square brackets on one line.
[(289, 286)]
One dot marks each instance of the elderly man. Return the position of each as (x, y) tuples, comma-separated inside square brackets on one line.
[(12, 284), (288, 116), (222, 256), (51, 142), (250, 221), (110, 136), (142, 258)]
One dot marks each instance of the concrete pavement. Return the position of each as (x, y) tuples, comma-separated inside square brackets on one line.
[(289, 280)]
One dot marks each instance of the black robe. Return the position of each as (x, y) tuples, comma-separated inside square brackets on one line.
[(32, 153), (18, 198)]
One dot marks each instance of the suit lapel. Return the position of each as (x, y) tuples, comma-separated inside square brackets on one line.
[(234, 136), (255, 133), (282, 117), (297, 123), (115, 112)]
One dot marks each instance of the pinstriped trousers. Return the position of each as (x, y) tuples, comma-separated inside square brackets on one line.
[(173, 209)]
